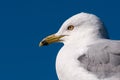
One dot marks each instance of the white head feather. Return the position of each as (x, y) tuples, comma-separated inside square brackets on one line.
[(86, 27)]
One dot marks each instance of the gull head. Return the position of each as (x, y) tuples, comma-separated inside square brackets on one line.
[(78, 28)]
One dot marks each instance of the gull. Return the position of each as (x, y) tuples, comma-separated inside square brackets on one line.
[(87, 53)]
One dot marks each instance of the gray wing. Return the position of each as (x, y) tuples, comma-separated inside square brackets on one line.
[(102, 59)]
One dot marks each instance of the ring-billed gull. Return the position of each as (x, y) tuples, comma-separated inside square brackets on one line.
[(88, 53)]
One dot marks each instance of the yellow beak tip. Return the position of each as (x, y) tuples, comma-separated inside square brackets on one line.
[(40, 44), (50, 39), (43, 43)]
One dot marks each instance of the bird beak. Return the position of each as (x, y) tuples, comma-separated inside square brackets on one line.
[(50, 39)]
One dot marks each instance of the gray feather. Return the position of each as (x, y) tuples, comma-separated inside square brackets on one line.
[(102, 58)]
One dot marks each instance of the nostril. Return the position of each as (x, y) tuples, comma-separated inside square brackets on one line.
[(44, 43)]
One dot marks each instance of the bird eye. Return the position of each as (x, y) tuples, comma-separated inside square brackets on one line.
[(71, 27)]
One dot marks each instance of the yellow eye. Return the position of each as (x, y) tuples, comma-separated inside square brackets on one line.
[(71, 27)]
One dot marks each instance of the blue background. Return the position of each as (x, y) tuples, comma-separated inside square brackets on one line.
[(23, 23)]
